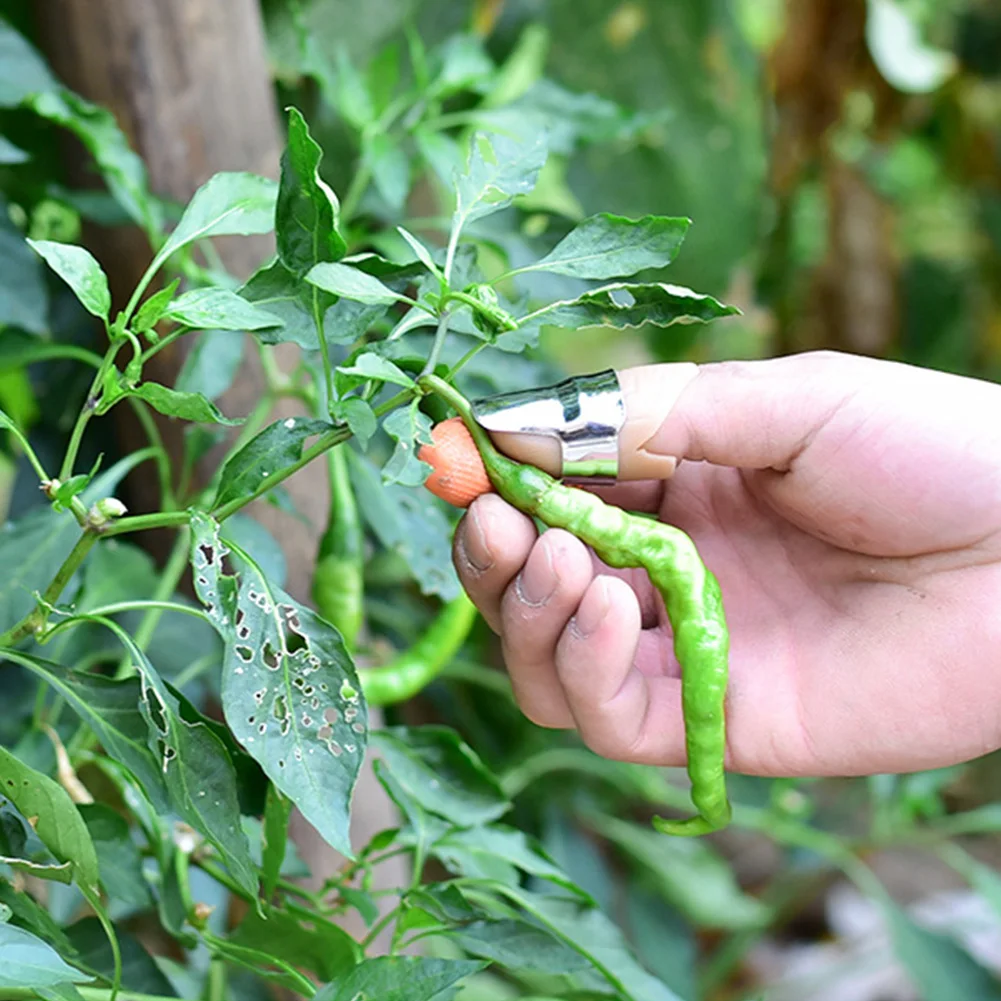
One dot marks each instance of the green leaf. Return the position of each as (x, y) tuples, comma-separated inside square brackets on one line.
[(590, 933), (52, 815), (274, 837), (350, 94), (31, 916), (151, 311), (631, 305), (372, 366), (117, 854), (422, 252), (611, 246), (519, 945), (464, 65), (252, 537), (689, 874), (318, 945), (290, 298), (78, 268), (409, 522), (307, 210), (22, 69), (442, 773), (469, 852), (938, 966), (498, 169), (350, 283), (227, 204), (290, 692), (219, 309), (211, 365), (390, 168), (187, 406), (30, 962), (277, 447), (24, 299), (359, 417), (139, 970), (96, 127), (9, 153), (111, 709), (261, 962), (407, 426), (401, 978)]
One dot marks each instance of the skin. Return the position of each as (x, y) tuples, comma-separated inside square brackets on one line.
[(851, 510)]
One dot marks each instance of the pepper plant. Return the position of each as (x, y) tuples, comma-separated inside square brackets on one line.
[(136, 820)]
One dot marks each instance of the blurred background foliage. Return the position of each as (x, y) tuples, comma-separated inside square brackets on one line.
[(840, 162)]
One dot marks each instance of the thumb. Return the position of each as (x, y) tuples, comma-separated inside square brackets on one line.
[(751, 415)]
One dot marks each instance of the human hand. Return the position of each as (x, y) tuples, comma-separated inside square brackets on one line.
[(851, 510)]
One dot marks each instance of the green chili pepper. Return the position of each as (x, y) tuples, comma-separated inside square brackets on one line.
[(338, 580), (417, 667), (691, 596)]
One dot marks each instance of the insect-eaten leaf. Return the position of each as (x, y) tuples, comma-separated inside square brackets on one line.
[(290, 692), (409, 428)]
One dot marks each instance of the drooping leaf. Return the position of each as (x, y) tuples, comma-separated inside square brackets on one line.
[(590, 933), (518, 945), (30, 962), (631, 305), (498, 169), (61, 872), (401, 978), (24, 299), (408, 522), (211, 365), (611, 246), (688, 873), (290, 692), (117, 855), (174, 403), (277, 447), (219, 309), (274, 837), (937, 965), (351, 283), (197, 770), (442, 773), (22, 69), (227, 204), (111, 709), (78, 268), (96, 127), (307, 210), (52, 815), (317, 944)]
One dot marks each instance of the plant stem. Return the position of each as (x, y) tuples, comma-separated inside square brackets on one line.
[(439, 342), (141, 522), (86, 412), (145, 418), (469, 356), (328, 376), (35, 619)]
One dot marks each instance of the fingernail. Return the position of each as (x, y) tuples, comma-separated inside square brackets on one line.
[(537, 581), (592, 610), (474, 543)]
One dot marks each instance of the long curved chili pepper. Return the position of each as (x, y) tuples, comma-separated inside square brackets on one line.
[(691, 596), (338, 580), (415, 668)]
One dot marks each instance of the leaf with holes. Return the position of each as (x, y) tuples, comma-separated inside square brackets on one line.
[(199, 774), (52, 815), (277, 447), (290, 692)]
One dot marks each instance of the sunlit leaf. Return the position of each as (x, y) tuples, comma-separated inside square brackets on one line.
[(351, 283), (78, 268), (219, 309)]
